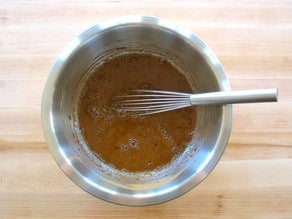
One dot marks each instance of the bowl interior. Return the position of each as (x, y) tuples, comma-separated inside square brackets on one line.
[(86, 53)]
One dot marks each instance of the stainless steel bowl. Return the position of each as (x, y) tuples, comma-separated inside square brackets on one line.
[(188, 53)]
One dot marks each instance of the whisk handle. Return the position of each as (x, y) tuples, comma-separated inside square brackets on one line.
[(229, 97)]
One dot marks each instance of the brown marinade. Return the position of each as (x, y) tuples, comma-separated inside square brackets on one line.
[(125, 141)]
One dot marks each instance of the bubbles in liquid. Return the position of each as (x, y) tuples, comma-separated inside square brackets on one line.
[(96, 94), (94, 112), (174, 149), (175, 157), (133, 142), (121, 112), (100, 131), (82, 97), (124, 147), (109, 114), (166, 135), (134, 59)]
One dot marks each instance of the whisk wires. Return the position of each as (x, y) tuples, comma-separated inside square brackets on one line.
[(145, 102)]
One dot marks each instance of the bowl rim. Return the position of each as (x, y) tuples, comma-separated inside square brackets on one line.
[(65, 164)]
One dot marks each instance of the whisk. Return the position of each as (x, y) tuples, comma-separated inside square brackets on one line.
[(146, 102)]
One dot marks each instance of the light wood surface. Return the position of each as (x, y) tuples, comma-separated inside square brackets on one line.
[(253, 40)]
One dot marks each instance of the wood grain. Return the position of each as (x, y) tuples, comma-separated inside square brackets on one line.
[(253, 40)]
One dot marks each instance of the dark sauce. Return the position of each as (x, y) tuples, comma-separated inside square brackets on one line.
[(125, 141)]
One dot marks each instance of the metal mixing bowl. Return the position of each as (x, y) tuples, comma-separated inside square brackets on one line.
[(124, 35)]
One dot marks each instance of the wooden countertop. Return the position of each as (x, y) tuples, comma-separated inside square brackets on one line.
[(253, 40)]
